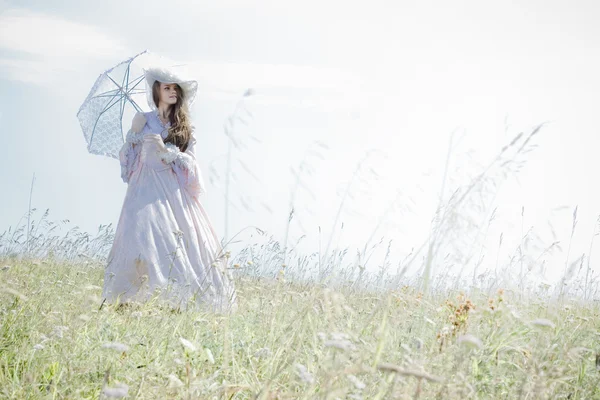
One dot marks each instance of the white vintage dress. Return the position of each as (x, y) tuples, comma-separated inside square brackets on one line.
[(164, 242)]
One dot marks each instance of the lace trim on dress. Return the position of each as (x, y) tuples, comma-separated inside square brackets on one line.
[(127, 152), (176, 156), (134, 137), (171, 154), (165, 131)]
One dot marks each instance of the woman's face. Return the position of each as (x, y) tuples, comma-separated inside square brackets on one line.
[(168, 93)]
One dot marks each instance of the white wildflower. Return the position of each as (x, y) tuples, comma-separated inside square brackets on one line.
[(542, 323), (360, 385), (209, 356), (470, 341), (120, 347), (339, 336), (174, 381), (339, 344), (187, 344), (303, 374), (265, 352), (117, 392), (178, 361), (136, 314), (59, 330)]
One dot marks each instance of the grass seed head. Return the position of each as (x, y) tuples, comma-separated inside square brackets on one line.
[(543, 323), (187, 344), (470, 341)]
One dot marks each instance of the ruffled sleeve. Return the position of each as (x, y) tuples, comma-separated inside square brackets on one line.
[(129, 152), (186, 167)]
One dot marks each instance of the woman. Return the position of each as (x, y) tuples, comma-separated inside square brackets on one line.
[(164, 242)]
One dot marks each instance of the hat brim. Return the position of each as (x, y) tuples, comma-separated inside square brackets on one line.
[(168, 76)]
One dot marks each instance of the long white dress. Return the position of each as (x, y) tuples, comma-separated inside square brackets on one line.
[(165, 246)]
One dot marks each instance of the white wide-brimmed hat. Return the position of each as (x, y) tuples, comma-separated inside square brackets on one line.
[(169, 75)]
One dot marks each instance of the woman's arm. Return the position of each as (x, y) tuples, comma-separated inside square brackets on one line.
[(127, 154)]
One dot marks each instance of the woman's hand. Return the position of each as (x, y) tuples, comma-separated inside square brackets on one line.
[(170, 153)]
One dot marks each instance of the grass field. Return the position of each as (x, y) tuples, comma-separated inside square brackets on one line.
[(289, 341)]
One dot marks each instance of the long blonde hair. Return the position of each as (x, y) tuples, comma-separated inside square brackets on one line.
[(180, 132)]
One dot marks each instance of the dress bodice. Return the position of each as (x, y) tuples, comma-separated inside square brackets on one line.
[(155, 125), (146, 150), (149, 153)]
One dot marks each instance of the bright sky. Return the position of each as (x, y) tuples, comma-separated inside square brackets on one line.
[(396, 76)]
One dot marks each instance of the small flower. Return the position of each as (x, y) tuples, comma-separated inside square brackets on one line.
[(470, 341), (187, 344), (120, 347), (303, 374), (358, 384), (117, 392), (543, 323)]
